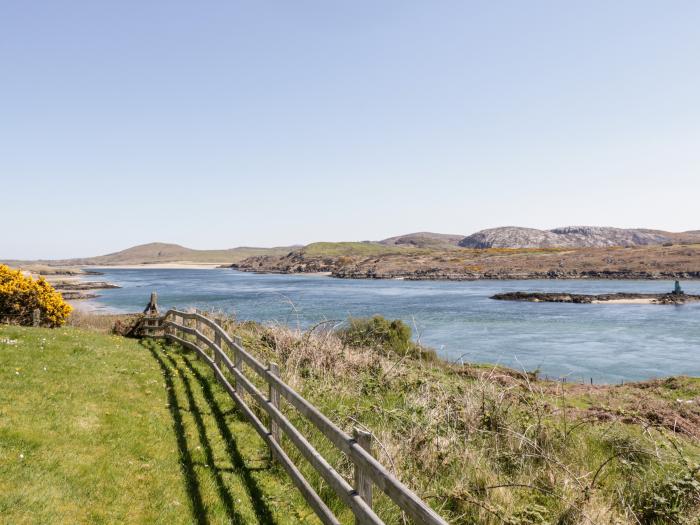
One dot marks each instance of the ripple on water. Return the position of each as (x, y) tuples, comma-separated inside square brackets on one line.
[(607, 342)]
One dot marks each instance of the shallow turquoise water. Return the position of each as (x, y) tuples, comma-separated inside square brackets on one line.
[(607, 342)]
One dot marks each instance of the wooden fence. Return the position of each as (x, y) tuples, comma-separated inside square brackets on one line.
[(230, 363), (19, 319)]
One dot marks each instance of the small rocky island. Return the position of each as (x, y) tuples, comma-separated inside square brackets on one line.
[(677, 296)]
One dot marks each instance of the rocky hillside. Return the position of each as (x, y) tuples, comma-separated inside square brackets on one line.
[(572, 237), (331, 256), (612, 262), (577, 252), (424, 240)]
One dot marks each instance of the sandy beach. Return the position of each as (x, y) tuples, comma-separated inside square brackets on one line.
[(159, 266)]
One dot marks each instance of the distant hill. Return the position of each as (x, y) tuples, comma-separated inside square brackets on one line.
[(158, 252), (424, 240), (572, 237), (402, 245)]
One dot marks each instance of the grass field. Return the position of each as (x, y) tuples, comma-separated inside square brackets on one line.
[(101, 429)]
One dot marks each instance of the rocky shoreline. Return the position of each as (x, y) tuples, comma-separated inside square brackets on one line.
[(75, 290), (420, 275), (612, 298), (437, 274)]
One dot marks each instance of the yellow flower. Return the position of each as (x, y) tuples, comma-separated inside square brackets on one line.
[(21, 295)]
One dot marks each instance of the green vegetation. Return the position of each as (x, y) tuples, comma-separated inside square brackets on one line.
[(386, 336), (369, 249), (98, 428), (360, 249), (488, 445), (101, 429)]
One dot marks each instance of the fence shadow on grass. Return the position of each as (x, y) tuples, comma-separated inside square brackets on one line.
[(262, 511), (186, 463), (177, 375), (224, 495)]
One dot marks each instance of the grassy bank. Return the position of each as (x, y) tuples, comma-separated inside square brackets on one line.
[(489, 445), (98, 428), (101, 429)]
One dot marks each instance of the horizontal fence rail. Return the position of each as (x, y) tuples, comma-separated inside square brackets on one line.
[(229, 370)]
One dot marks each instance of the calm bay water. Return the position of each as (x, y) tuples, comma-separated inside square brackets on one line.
[(607, 342)]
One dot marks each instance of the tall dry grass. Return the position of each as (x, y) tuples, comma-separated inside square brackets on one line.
[(486, 444)]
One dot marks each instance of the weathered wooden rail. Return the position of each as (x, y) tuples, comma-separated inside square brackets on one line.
[(230, 362)]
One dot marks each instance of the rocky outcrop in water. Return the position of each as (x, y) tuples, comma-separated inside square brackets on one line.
[(620, 297)]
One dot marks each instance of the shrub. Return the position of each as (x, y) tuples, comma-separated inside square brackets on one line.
[(383, 335), (668, 497), (20, 295)]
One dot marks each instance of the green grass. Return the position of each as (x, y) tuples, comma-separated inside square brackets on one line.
[(366, 249), (102, 429)]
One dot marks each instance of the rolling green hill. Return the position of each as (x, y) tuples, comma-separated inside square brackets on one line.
[(158, 252)]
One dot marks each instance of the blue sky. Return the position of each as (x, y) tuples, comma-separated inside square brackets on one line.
[(217, 124)]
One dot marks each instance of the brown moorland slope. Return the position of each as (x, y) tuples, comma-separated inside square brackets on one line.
[(637, 262), (424, 240)]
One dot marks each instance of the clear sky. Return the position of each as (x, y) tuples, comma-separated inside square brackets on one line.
[(218, 124)]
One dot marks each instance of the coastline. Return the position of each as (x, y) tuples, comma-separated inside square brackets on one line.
[(500, 276), (159, 266), (89, 305)]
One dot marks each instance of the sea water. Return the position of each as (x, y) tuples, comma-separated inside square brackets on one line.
[(606, 342)]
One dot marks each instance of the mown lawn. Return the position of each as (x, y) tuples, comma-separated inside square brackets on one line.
[(102, 429)]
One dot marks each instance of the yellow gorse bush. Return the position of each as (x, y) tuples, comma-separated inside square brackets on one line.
[(20, 295)]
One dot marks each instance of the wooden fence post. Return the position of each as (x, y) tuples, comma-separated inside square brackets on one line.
[(197, 323), (177, 320), (36, 317), (193, 323), (275, 400), (363, 483), (237, 359), (217, 343)]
